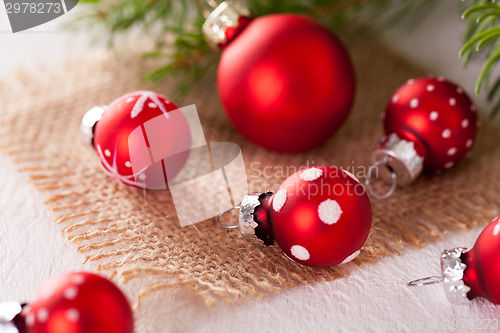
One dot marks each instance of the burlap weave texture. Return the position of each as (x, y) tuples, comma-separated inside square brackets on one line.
[(135, 234)]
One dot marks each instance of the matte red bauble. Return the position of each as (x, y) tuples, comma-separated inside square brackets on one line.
[(468, 274), (482, 272), (286, 82), (320, 216), (134, 134)]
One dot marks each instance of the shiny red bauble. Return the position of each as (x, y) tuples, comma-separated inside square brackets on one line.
[(482, 274), (319, 216), (136, 132), (437, 116), (286, 82), (79, 302)]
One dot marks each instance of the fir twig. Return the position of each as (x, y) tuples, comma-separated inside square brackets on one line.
[(483, 33), (177, 26)]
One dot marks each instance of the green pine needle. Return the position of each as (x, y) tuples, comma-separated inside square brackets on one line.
[(483, 32)]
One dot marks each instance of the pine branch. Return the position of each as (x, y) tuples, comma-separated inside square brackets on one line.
[(176, 26), (483, 34)]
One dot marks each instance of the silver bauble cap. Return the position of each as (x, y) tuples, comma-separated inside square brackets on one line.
[(246, 217), (88, 122), (453, 269), (400, 157), (226, 15), (8, 311)]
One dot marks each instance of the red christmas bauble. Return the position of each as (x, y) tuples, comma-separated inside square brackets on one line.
[(286, 82), (430, 124), (79, 302), (467, 274), (482, 273), (321, 216), (136, 133), (437, 116)]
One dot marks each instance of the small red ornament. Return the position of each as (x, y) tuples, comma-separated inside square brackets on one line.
[(286, 82), (430, 124), (320, 216), (134, 134), (474, 273), (76, 302), (482, 273)]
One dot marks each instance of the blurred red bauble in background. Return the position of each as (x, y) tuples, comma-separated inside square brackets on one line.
[(135, 134), (286, 82), (75, 302)]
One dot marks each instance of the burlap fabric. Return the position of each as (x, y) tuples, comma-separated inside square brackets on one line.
[(134, 234)]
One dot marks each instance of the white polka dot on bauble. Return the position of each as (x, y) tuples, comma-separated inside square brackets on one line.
[(78, 279), (395, 98), (469, 143), (446, 133), (30, 319), (452, 101), (129, 100), (460, 90), (414, 103), (351, 257), (452, 151), (300, 252), (73, 315), (449, 165), (434, 115), (329, 211), (42, 315), (410, 81), (472, 107), (142, 176), (152, 105), (70, 293), (430, 87), (465, 123), (440, 78), (107, 153), (311, 174), (279, 200), (128, 164)]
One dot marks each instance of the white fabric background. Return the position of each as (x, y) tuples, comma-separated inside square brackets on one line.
[(374, 298)]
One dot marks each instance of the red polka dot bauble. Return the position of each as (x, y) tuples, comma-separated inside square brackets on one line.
[(468, 274), (285, 81), (430, 124), (75, 302), (134, 134), (319, 216)]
